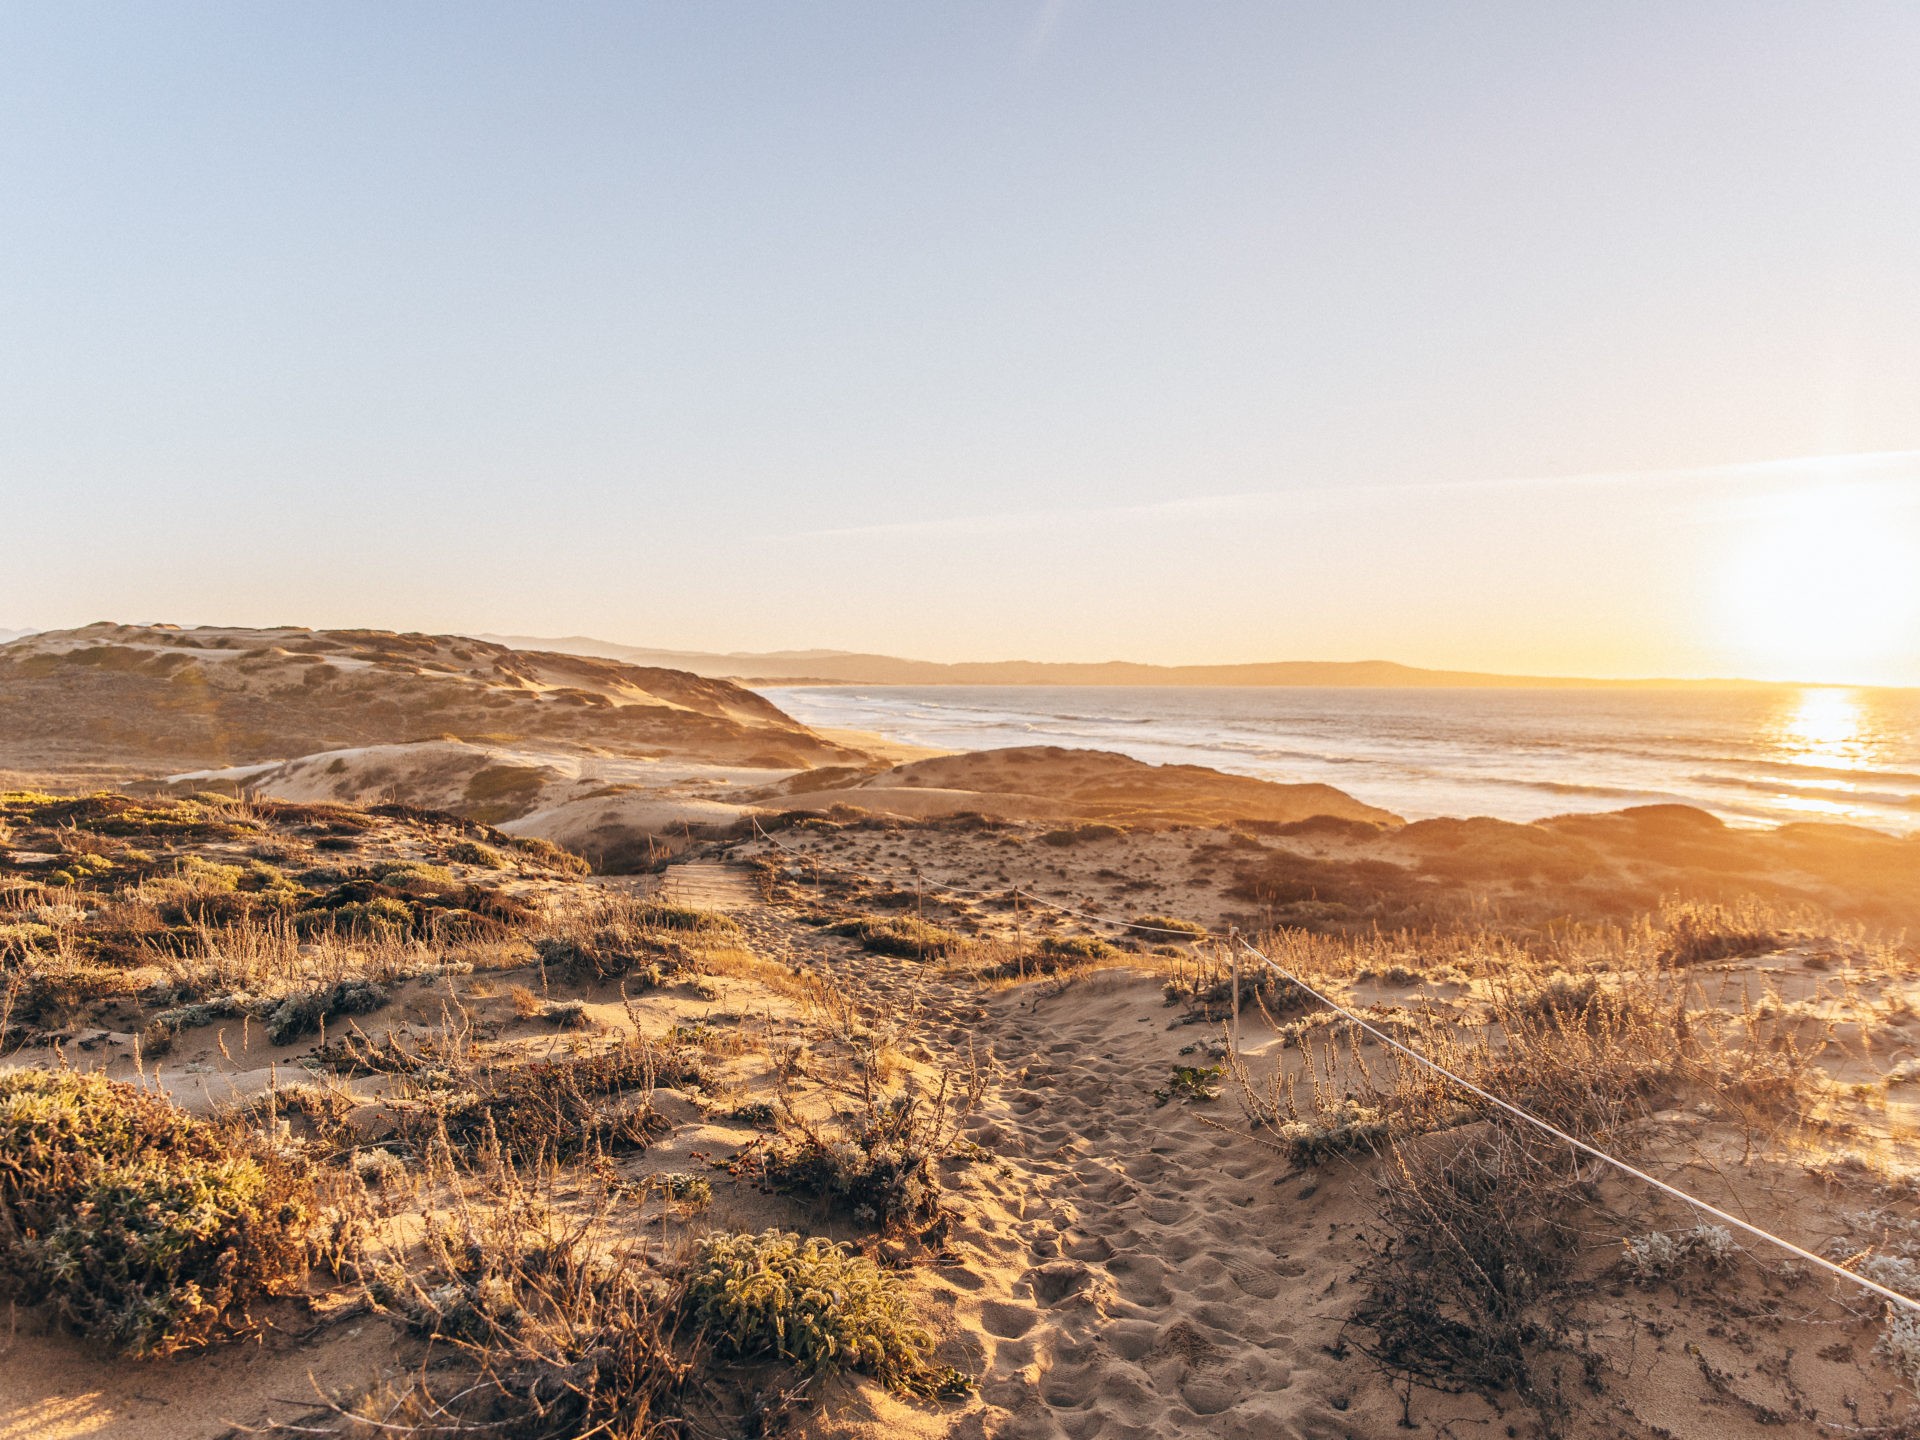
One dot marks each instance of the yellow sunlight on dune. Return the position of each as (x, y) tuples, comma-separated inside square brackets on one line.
[(1822, 585)]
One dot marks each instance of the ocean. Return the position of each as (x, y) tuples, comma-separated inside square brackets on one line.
[(1749, 756)]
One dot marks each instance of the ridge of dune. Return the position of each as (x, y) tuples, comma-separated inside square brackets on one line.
[(156, 697)]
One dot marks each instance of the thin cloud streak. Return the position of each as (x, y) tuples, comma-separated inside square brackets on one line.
[(1855, 467)]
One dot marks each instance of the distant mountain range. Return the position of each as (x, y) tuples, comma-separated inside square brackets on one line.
[(843, 667)]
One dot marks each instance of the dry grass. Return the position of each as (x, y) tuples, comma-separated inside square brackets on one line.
[(879, 1163), (1483, 1255), (1472, 1281)]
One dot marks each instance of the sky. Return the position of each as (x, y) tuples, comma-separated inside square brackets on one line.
[(1573, 338)]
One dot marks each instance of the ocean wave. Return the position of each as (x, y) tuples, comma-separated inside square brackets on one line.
[(1519, 755), (1839, 794)]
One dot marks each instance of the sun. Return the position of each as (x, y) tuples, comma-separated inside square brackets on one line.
[(1823, 584)]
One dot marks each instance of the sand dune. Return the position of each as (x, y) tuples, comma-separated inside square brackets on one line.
[(1119, 1252), (142, 698), (1050, 782), (373, 955)]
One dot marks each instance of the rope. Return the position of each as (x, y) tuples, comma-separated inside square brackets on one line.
[(1841, 1272), (1580, 1145)]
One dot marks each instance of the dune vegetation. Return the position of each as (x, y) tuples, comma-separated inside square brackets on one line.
[(850, 1124)]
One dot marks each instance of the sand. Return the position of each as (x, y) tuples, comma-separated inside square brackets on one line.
[(1120, 1267), (1121, 1263)]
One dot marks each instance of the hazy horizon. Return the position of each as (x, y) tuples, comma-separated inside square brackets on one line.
[(1567, 341), (9, 633)]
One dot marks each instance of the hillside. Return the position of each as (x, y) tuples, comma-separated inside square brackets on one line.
[(155, 698), (618, 762), (1048, 782), (841, 667)]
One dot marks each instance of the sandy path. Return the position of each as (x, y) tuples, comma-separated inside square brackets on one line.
[(1156, 1247), (1128, 1269)]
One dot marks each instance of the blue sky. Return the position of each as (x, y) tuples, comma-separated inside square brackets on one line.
[(1173, 332)]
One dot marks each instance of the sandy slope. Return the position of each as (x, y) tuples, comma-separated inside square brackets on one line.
[(155, 697), (1127, 1268), (1051, 782)]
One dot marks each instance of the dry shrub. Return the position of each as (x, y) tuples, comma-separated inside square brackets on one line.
[(1471, 1281), (1580, 1052), (625, 936), (1697, 934), (62, 989), (550, 1328), (1203, 982), (147, 1231), (309, 1010), (589, 1100), (554, 1331), (879, 1165)]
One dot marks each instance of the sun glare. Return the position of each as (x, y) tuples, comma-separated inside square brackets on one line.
[(1824, 585), (1826, 728)]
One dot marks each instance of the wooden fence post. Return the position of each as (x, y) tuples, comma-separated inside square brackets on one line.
[(1234, 951)]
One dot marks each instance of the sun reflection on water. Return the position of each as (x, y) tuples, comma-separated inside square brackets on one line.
[(1829, 729)]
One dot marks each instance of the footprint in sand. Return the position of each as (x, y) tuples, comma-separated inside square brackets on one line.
[(1007, 1320), (1260, 1283), (1141, 1279), (1131, 1339), (1055, 1282), (1164, 1211), (1093, 1248)]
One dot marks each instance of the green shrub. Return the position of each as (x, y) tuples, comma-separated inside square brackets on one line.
[(1192, 1082), (1167, 927), (414, 877), (816, 1305), (907, 938), (1074, 948), (145, 1230), (1095, 830), (550, 855), (659, 915), (472, 852), (382, 914), (208, 876), (1051, 955), (693, 1192)]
